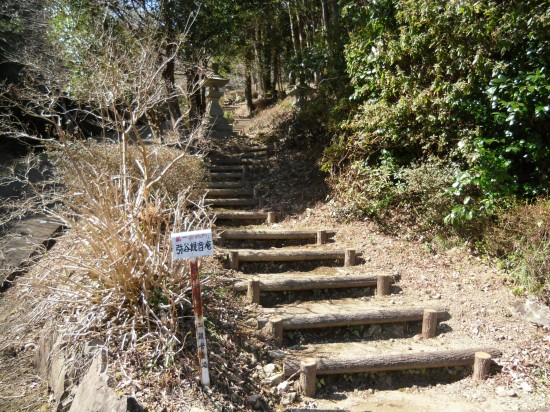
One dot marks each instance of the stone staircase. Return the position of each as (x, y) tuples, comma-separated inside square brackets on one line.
[(337, 269)]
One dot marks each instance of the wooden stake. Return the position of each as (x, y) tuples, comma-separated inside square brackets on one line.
[(308, 376), (199, 322), (429, 323), (271, 217), (321, 237), (275, 328), (482, 365), (234, 260), (383, 285), (253, 294), (349, 259)]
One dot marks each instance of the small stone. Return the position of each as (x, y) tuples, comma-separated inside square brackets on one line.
[(270, 368), (437, 296), (288, 398), (274, 379), (370, 391), (283, 386), (417, 337), (276, 354), (502, 391), (255, 401), (526, 387)]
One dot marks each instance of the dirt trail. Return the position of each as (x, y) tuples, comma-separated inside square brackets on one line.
[(475, 294), (482, 307)]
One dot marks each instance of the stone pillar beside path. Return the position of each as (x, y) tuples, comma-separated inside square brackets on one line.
[(214, 123)]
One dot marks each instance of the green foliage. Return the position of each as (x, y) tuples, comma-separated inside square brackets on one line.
[(416, 195), (463, 82)]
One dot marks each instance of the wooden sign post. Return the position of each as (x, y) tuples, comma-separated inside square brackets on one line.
[(191, 245)]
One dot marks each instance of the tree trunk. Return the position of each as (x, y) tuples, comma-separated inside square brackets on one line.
[(248, 89), (196, 110)]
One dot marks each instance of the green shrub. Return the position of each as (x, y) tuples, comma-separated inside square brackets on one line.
[(414, 195)]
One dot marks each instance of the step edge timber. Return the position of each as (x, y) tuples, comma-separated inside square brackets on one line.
[(230, 202), (225, 174), (240, 215), (260, 234), (392, 362), (224, 185), (308, 283), (360, 318), (248, 255), (365, 317), (221, 192)]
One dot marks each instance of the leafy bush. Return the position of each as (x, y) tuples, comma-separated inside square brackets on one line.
[(415, 195), (464, 82)]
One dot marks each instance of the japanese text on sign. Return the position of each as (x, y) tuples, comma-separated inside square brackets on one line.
[(192, 244)]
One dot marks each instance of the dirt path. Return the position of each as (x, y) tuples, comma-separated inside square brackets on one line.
[(483, 312)]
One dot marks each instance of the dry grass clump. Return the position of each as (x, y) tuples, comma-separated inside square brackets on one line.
[(185, 172), (521, 238), (122, 203), (265, 123)]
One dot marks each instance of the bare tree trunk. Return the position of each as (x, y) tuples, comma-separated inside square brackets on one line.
[(248, 89), (292, 31), (195, 97)]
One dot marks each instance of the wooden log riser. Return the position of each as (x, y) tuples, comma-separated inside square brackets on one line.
[(220, 193), (290, 256), (359, 318), (242, 216), (227, 175), (230, 202), (334, 282), (225, 185), (393, 362), (225, 169), (267, 235)]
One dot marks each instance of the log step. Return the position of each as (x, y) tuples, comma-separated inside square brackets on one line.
[(225, 176), (222, 202), (289, 255), (215, 193), (238, 161), (246, 215), (276, 235), (279, 282), (226, 169), (391, 362), (255, 149), (355, 318), (225, 185)]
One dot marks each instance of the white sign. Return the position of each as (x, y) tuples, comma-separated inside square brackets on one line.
[(192, 244)]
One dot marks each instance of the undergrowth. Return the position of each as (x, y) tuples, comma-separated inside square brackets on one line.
[(520, 239)]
